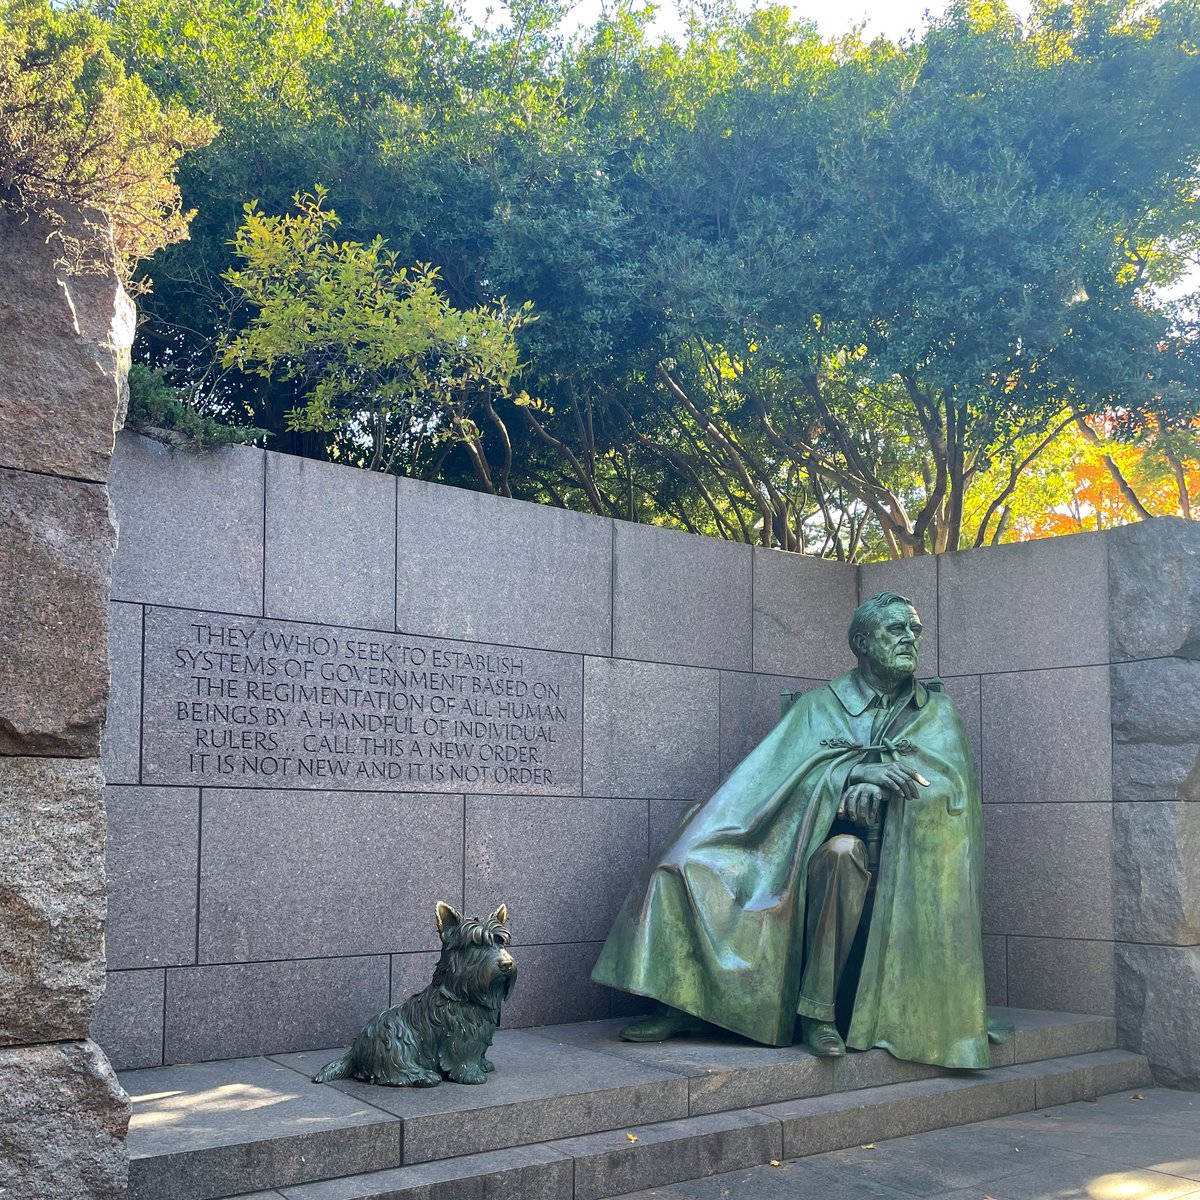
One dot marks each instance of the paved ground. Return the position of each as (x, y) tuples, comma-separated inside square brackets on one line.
[(1130, 1146)]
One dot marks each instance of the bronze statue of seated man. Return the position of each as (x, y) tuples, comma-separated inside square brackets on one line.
[(837, 871)]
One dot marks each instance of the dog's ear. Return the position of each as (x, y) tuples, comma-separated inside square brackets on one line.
[(448, 919), (501, 915)]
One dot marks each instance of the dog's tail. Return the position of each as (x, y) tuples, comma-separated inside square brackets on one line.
[(340, 1068)]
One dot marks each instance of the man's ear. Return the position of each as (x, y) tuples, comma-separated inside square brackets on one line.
[(501, 914), (448, 919)]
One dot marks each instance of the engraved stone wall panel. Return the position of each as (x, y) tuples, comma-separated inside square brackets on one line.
[(678, 598), (129, 1021), (152, 854), (1047, 736), (1022, 607), (1061, 974), (562, 866), (802, 610), (299, 874), (329, 550), (271, 1007), (1048, 870), (916, 578), (257, 703), (121, 740), (751, 706), (496, 570), (55, 552), (650, 730), (191, 526)]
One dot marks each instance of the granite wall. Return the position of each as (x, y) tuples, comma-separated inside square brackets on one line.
[(339, 697), (64, 343)]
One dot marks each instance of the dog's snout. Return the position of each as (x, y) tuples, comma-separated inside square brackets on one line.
[(507, 962)]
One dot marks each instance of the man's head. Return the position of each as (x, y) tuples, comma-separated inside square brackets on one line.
[(885, 636)]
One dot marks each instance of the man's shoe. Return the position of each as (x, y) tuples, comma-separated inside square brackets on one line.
[(666, 1023), (822, 1038)]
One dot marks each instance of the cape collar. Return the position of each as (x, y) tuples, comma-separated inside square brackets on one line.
[(856, 694)]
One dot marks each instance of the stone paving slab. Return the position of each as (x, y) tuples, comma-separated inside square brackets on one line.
[(211, 1129), (1031, 1156), (540, 1090)]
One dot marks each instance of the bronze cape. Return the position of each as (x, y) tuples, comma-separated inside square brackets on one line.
[(715, 927)]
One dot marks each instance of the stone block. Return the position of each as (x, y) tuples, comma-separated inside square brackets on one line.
[(665, 817), (411, 973), (650, 730), (1048, 870), (64, 342), (51, 898), (562, 866), (554, 984), (539, 1091), (129, 1020), (1146, 771), (330, 553), (1061, 975), (519, 1173), (293, 874), (1156, 861), (153, 838), (995, 967), (1039, 1036), (1085, 1076), (63, 1117), (191, 526), (56, 544), (251, 702), (679, 598), (875, 1068), (802, 609), (1047, 736), (268, 1007), (609, 1164), (1157, 1013), (121, 742), (751, 706), (841, 1119), (964, 691), (1156, 701), (188, 1142), (1024, 607), (916, 578), (467, 564), (1154, 589)]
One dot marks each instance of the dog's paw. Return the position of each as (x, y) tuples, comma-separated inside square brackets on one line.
[(470, 1073), (487, 1065)]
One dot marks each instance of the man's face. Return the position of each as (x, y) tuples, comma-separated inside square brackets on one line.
[(892, 646)]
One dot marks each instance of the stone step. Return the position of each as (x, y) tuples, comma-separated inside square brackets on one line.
[(616, 1162), (208, 1130)]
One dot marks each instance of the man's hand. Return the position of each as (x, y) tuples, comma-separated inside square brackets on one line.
[(892, 777), (860, 803)]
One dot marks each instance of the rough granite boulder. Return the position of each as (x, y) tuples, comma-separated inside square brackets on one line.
[(1156, 701), (63, 1118), (1154, 589), (56, 547), (52, 898), (1156, 873), (64, 343), (1157, 1013)]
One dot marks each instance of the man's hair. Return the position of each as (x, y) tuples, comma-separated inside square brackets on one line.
[(870, 612)]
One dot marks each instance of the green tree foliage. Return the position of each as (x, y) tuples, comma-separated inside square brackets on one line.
[(830, 296), (77, 129), (387, 364)]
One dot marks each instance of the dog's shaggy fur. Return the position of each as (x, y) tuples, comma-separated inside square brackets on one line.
[(446, 1029)]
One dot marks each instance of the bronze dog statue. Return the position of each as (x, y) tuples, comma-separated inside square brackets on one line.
[(445, 1030)]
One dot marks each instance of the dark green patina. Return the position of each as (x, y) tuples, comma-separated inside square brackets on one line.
[(715, 928)]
